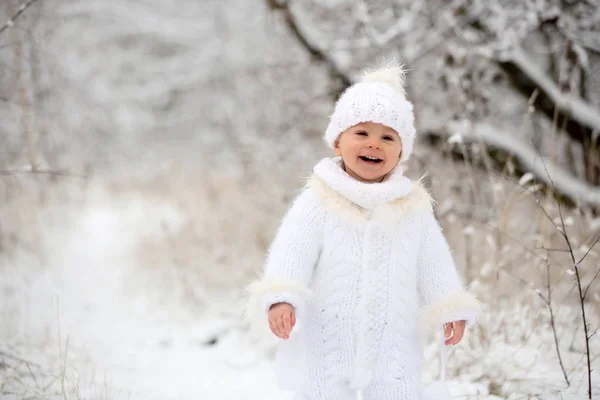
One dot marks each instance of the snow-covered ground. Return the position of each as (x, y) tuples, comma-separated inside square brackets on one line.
[(91, 317), (92, 323)]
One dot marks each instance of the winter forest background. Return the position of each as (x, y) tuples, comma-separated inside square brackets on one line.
[(148, 150)]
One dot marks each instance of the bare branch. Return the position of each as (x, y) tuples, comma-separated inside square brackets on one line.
[(539, 203), (42, 172), (588, 251), (563, 231), (581, 294), (11, 21), (548, 284), (590, 284), (525, 283), (553, 323), (6, 45), (16, 358), (550, 249)]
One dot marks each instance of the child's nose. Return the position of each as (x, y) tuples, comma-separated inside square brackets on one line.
[(373, 145)]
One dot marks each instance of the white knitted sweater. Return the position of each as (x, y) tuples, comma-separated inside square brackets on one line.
[(359, 262)]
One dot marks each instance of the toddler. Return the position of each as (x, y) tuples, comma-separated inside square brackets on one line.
[(360, 261)]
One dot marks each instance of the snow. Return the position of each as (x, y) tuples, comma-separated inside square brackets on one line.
[(95, 304), (119, 339)]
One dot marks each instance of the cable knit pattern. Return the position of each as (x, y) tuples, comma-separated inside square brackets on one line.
[(290, 262), (439, 286), (358, 261)]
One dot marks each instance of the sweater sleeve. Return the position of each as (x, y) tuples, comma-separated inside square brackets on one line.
[(290, 262), (440, 288)]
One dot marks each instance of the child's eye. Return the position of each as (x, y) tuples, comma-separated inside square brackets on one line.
[(362, 133), (390, 138)]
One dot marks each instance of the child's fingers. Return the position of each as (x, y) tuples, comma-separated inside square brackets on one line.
[(287, 322), (277, 327), (281, 326), (448, 328), (293, 320), (454, 339), (458, 329), (274, 328)]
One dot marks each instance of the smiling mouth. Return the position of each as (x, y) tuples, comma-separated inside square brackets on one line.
[(373, 160)]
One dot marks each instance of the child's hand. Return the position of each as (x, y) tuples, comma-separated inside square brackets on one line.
[(454, 331), (282, 319)]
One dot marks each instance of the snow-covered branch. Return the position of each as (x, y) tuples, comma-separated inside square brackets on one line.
[(403, 25), (571, 105), (11, 21), (29, 170), (541, 167), (298, 30)]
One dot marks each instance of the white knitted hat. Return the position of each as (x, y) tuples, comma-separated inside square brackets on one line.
[(378, 97)]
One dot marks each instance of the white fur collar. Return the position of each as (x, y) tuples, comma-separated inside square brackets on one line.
[(395, 198), (366, 195)]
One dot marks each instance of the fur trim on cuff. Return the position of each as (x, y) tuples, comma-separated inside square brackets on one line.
[(455, 307), (260, 295), (281, 297)]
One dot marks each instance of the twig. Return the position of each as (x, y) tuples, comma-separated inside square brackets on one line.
[(588, 251), (548, 301), (563, 232), (11, 21), (5, 354), (32, 375), (42, 172), (585, 329), (590, 284), (62, 357), (3, 46), (553, 324), (550, 249), (470, 169)]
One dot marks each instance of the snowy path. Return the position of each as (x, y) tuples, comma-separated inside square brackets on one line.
[(128, 337), (183, 366)]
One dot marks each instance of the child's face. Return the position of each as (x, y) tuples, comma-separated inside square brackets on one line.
[(369, 151)]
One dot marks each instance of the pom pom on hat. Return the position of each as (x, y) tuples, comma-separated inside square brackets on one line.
[(393, 74), (378, 97)]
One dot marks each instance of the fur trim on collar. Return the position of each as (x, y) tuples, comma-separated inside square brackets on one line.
[(418, 199), (366, 195)]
